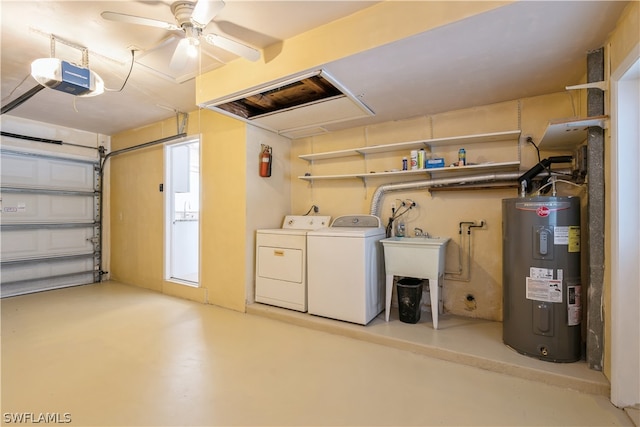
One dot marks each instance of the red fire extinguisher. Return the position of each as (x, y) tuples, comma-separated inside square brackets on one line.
[(265, 161)]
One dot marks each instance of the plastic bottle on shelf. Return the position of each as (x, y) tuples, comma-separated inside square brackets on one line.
[(414, 159), (462, 157)]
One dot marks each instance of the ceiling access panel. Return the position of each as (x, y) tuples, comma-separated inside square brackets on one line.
[(294, 107)]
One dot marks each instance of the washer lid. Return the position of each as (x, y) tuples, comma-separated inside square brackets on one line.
[(360, 221), (306, 222), (353, 226)]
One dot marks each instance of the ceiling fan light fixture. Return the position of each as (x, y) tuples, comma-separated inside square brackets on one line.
[(66, 77), (193, 41), (192, 49)]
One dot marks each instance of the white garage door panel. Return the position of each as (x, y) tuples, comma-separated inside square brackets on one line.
[(37, 285), (48, 218), (30, 208), (43, 243), (45, 269), (46, 173)]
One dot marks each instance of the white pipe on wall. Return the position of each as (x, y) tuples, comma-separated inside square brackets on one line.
[(421, 185)]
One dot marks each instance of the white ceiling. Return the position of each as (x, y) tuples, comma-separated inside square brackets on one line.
[(523, 49)]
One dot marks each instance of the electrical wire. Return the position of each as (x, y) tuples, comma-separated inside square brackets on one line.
[(554, 181), (313, 208), (548, 169), (530, 141), (16, 88), (128, 74)]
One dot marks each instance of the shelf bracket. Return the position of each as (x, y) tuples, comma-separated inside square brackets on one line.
[(594, 85), (364, 183)]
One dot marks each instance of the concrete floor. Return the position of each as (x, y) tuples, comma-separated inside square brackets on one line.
[(110, 354)]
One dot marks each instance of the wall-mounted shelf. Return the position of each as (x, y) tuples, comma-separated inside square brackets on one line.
[(464, 170), (411, 145), (566, 134), (430, 144)]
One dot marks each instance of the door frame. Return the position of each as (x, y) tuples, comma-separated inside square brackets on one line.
[(169, 207), (624, 231)]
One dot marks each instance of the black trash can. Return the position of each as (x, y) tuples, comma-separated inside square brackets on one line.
[(409, 297)]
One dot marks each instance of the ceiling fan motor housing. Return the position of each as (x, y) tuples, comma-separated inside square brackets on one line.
[(183, 10)]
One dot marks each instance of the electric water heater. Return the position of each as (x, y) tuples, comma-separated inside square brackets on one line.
[(541, 277)]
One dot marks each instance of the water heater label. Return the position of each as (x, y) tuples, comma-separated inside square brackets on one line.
[(569, 236), (541, 273), (561, 235), (574, 239), (547, 290)]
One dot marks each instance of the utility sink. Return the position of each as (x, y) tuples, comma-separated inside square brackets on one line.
[(419, 257), (415, 256)]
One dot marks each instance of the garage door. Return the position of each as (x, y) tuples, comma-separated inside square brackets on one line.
[(49, 221)]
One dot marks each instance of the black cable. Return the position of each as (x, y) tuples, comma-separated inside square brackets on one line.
[(313, 208), (545, 166), (128, 75), (530, 141)]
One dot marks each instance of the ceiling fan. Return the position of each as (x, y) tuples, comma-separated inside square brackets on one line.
[(191, 19)]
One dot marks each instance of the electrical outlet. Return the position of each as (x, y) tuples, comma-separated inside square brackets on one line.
[(480, 222), (393, 206)]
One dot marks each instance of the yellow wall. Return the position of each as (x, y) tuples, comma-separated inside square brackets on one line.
[(438, 212), (223, 210), (137, 210)]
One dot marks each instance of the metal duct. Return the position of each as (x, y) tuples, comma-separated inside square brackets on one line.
[(419, 185)]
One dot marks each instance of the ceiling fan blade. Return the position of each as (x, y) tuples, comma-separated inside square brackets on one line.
[(185, 53), (233, 46), (131, 19), (205, 10)]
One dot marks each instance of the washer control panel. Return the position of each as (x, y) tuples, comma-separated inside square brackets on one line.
[(306, 222)]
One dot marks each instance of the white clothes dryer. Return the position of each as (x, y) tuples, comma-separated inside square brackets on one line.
[(346, 279), (281, 261)]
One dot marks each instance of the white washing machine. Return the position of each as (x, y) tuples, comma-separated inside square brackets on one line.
[(346, 278), (281, 261)]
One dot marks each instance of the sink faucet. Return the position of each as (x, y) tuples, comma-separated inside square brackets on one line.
[(419, 233)]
